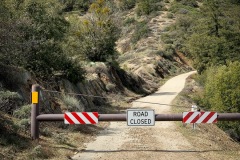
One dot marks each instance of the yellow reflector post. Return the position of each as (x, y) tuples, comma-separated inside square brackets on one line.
[(34, 97)]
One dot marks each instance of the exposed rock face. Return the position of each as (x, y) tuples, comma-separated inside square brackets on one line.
[(104, 80), (101, 82)]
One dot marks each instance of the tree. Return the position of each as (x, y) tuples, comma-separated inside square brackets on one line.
[(222, 93), (70, 5), (35, 41), (214, 38), (97, 33), (10, 35), (145, 7)]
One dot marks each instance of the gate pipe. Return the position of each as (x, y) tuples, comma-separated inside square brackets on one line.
[(123, 117)]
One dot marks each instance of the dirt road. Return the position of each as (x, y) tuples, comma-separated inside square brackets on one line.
[(162, 141)]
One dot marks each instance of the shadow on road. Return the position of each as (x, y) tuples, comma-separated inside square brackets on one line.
[(163, 94), (173, 151)]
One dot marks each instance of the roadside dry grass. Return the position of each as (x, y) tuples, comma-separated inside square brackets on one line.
[(55, 142), (208, 139)]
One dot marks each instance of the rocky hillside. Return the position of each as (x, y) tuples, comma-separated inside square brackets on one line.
[(143, 64)]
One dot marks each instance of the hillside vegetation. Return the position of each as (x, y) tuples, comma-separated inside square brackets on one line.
[(117, 50), (208, 31), (110, 49)]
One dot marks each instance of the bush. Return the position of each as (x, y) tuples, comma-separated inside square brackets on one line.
[(71, 103), (191, 3), (141, 31), (110, 86), (146, 7), (170, 15), (40, 152), (127, 4), (61, 138), (222, 92), (168, 51), (24, 124), (9, 94), (23, 112), (46, 132), (36, 31), (129, 21), (97, 33)]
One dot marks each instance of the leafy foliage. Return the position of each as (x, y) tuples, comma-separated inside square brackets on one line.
[(146, 7), (72, 5), (222, 93), (35, 42), (141, 30), (72, 103), (96, 34), (23, 113), (208, 34), (127, 4), (191, 3)]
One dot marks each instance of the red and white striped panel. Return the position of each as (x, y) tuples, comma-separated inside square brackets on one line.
[(81, 117), (199, 117)]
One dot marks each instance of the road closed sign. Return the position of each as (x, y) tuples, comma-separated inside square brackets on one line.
[(136, 117)]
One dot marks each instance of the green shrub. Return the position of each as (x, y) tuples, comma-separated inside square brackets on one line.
[(168, 51), (71, 103), (24, 124), (170, 15), (222, 92), (110, 86), (23, 112), (46, 132), (40, 152), (81, 5), (141, 31), (129, 21), (191, 3), (61, 138), (37, 32), (176, 6), (8, 94), (96, 34), (127, 4), (146, 7)]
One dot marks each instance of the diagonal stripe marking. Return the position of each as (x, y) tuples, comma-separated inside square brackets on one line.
[(203, 116), (186, 115), (88, 117), (210, 114), (95, 119), (80, 114), (73, 118), (192, 117), (196, 118), (215, 121), (213, 118), (78, 118), (95, 114), (67, 120)]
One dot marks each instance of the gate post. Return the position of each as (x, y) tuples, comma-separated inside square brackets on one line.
[(35, 111)]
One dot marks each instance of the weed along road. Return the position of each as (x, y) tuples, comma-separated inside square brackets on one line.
[(150, 140)]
